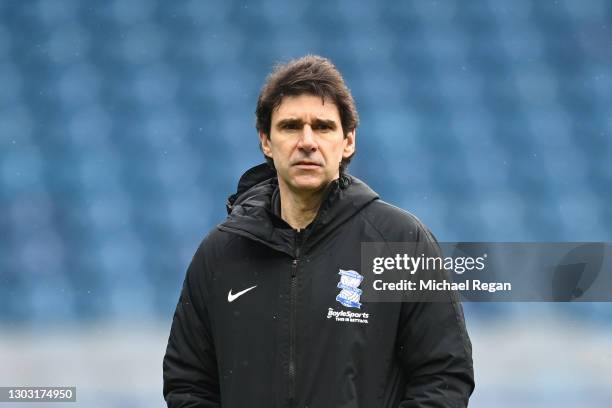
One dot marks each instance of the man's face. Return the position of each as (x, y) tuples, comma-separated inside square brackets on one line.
[(307, 142)]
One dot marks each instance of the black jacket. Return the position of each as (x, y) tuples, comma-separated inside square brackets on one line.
[(276, 345)]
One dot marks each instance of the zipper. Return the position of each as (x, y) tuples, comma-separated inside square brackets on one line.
[(293, 316)]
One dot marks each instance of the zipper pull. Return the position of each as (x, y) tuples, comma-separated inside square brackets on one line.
[(294, 265)]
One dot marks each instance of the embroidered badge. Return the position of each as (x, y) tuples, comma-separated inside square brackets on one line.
[(350, 294)]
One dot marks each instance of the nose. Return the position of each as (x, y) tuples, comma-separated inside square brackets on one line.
[(307, 140)]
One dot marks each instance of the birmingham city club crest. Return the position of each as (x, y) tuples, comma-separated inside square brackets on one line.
[(350, 293)]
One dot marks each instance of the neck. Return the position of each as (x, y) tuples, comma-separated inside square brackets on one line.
[(298, 209)]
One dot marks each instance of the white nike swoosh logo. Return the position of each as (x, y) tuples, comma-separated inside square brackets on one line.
[(231, 297)]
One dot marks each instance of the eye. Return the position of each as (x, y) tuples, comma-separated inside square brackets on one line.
[(290, 126), (322, 127)]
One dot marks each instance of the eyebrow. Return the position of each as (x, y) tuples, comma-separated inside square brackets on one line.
[(299, 122)]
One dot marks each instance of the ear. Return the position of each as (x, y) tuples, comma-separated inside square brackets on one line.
[(349, 144), (264, 141)]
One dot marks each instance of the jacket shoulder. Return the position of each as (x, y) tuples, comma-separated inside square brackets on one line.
[(395, 224), (213, 248)]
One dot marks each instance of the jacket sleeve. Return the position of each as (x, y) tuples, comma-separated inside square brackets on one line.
[(190, 365), (434, 348)]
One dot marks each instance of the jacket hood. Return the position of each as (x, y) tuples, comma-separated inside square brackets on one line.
[(253, 211)]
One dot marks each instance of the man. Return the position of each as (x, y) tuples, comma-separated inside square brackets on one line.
[(252, 327)]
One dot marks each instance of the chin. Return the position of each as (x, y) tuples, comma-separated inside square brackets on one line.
[(308, 183)]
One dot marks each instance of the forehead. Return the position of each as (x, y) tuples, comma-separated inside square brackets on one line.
[(306, 106)]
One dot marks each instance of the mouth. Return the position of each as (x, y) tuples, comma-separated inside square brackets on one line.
[(305, 164)]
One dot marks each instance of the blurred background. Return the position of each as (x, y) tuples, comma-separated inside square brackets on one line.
[(124, 125)]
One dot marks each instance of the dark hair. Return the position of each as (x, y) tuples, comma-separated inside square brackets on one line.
[(313, 75)]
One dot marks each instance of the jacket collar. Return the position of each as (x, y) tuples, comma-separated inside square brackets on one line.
[(252, 212)]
